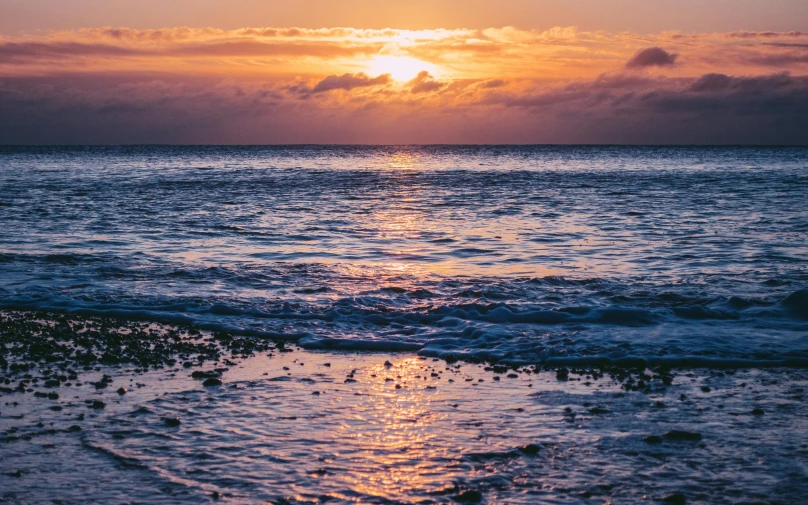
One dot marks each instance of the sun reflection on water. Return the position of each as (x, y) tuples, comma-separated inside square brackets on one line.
[(404, 160), (400, 426)]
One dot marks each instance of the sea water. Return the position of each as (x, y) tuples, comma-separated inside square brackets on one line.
[(382, 260), (684, 255)]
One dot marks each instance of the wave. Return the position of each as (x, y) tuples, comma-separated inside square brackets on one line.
[(719, 331)]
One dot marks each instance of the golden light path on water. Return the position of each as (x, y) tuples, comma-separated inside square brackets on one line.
[(407, 219), (370, 428), (397, 427)]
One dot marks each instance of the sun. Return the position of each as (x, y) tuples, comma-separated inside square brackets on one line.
[(401, 68)]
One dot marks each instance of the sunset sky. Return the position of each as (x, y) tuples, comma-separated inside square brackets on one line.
[(358, 71)]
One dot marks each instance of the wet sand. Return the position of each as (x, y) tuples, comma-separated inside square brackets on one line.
[(136, 423)]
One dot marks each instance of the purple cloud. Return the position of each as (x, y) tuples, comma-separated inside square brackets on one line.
[(349, 82), (494, 83), (652, 57), (424, 83)]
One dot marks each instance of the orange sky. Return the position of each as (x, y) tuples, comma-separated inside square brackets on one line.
[(611, 15), (277, 53), (288, 83)]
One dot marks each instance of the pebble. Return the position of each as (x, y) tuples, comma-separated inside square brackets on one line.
[(199, 374), (470, 496), (683, 435), (121, 391), (212, 382), (530, 449), (675, 499)]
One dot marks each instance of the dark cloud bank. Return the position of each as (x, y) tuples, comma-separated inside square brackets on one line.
[(621, 108)]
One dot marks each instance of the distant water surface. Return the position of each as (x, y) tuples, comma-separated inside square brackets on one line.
[(512, 253)]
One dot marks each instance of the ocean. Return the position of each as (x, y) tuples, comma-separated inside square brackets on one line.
[(403, 324), (534, 254)]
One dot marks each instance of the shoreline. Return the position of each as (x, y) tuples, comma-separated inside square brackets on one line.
[(436, 431), (136, 332)]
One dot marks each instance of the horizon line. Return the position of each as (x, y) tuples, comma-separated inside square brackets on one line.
[(334, 144)]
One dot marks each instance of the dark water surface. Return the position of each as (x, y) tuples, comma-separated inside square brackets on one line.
[(529, 254), (689, 256)]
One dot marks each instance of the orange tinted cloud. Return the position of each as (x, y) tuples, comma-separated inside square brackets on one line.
[(500, 85), (424, 83), (349, 82), (555, 53)]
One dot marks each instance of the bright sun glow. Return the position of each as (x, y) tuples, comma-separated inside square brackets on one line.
[(402, 68)]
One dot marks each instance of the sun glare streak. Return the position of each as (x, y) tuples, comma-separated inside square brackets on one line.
[(401, 68)]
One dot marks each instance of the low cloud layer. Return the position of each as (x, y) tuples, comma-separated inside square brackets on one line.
[(614, 108)]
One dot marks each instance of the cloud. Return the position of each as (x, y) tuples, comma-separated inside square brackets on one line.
[(770, 94), (38, 52), (754, 88), (558, 53), (650, 57), (767, 35), (350, 81), (251, 48), (494, 83), (711, 82), (27, 52), (614, 108), (281, 85), (424, 83), (786, 59)]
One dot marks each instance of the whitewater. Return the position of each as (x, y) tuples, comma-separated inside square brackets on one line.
[(515, 254)]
